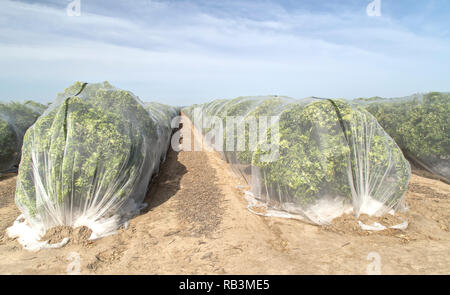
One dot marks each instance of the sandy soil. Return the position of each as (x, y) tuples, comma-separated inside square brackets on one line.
[(197, 223)]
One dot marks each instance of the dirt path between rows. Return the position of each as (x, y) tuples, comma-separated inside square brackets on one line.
[(197, 223)]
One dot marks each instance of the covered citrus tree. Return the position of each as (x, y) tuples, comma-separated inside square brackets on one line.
[(15, 119), (330, 156), (419, 125), (89, 159)]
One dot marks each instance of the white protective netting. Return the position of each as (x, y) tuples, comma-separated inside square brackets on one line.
[(419, 124), (15, 119), (312, 159), (88, 161)]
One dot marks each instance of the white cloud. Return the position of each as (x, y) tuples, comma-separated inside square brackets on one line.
[(183, 53)]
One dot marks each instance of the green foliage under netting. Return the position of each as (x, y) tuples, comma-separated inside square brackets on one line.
[(15, 119), (163, 115), (314, 150), (419, 125), (314, 153), (268, 107), (99, 147)]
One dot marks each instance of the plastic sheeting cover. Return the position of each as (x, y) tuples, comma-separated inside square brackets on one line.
[(333, 157), (15, 119), (88, 160), (420, 126)]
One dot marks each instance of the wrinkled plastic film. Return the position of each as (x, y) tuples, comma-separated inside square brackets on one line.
[(334, 157), (15, 119), (419, 125), (88, 160)]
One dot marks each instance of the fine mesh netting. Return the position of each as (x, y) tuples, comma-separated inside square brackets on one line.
[(88, 160), (312, 158), (420, 126), (15, 119)]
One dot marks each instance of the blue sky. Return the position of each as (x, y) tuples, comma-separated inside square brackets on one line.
[(184, 52)]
